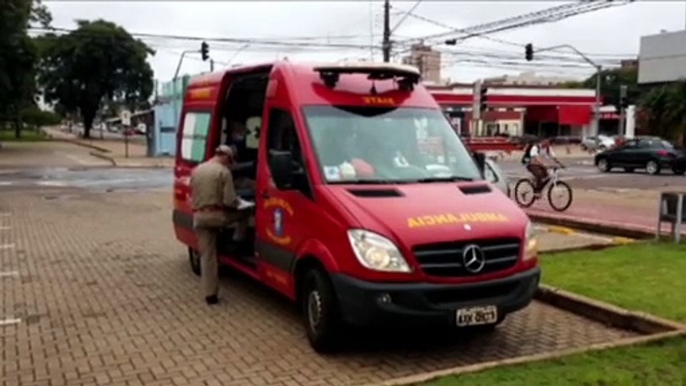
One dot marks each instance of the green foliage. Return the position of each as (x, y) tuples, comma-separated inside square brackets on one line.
[(656, 363), (35, 117), (610, 82), (654, 271), (97, 62), (18, 57), (663, 110)]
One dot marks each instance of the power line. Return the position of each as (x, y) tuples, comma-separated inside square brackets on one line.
[(255, 41), (547, 15), (507, 42)]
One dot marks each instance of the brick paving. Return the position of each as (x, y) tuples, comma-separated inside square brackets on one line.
[(105, 296)]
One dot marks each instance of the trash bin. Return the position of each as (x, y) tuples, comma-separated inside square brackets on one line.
[(672, 211)]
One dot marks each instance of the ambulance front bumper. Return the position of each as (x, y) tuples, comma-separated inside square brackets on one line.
[(372, 304)]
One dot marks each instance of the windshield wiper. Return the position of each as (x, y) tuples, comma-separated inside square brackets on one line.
[(444, 179)]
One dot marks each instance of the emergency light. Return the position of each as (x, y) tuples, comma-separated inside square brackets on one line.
[(406, 76)]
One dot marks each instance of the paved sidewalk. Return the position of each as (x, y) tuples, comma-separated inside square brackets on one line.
[(114, 150), (103, 295)]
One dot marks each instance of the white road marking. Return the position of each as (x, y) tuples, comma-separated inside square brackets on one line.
[(3, 228), (6, 183), (6, 246), (9, 274), (9, 322)]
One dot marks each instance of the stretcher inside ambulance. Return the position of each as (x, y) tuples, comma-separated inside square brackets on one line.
[(368, 208)]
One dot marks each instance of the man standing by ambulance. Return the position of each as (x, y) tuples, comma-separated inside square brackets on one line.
[(215, 206)]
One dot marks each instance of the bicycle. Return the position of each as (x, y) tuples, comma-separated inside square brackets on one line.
[(530, 196)]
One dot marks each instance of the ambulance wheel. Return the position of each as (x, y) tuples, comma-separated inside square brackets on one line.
[(321, 312), (194, 258)]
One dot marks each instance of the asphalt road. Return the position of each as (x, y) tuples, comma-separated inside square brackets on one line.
[(580, 173)]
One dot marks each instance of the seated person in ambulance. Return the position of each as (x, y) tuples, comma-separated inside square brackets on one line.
[(240, 139)]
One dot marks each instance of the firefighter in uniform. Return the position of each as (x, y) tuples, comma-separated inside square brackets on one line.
[(215, 206)]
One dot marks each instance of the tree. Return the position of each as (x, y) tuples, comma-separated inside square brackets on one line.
[(18, 57), (663, 111), (98, 61), (611, 81)]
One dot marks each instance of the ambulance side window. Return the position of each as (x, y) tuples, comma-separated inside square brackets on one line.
[(281, 137)]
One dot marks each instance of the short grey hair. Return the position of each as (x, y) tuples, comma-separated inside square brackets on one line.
[(225, 150)]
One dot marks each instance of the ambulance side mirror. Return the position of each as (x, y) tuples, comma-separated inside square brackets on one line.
[(281, 166), (480, 159)]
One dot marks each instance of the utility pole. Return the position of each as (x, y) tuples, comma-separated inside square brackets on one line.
[(211, 65), (622, 109), (386, 44)]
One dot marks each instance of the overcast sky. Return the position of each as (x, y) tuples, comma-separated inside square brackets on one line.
[(614, 32)]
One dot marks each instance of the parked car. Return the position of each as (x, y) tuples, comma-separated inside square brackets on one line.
[(649, 153), (600, 142)]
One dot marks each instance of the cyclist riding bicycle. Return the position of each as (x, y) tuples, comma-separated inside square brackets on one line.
[(538, 157)]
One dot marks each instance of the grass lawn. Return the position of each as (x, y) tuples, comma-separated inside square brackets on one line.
[(658, 363), (648, 277), (26, 136)]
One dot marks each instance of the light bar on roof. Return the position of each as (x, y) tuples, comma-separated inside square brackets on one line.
[(406, 75)]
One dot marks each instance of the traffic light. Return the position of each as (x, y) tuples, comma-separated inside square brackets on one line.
[(529, 52), (205, 51), (483, 98)]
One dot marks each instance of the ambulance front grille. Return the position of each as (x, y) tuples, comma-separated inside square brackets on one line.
[(446, 259)]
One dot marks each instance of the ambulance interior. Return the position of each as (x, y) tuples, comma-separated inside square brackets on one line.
[(241, 113)]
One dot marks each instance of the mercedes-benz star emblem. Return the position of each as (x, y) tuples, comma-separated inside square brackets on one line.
[(473, 258)]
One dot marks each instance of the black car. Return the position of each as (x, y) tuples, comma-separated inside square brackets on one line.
[(649, 153)]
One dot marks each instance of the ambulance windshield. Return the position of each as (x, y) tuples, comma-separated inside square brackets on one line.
[(387, 145)]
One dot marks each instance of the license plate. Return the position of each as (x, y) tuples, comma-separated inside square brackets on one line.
[(475, 316)]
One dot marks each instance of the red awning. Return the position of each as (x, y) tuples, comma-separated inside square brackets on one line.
[(574, 115)]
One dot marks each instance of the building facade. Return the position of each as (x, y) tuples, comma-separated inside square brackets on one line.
[(662, 58), (528, 79), (426, 60), (518, 110)]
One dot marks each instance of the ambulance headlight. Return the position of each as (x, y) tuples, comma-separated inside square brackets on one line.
[(376, 252), (530, 242)]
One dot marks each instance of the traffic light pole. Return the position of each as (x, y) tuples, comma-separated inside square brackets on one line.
[(178, 67), (599, 70)]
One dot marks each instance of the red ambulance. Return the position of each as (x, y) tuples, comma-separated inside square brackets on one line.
[(369, 209)]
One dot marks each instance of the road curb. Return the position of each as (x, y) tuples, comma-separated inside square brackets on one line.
[(103, 157), (430, 376), (622, 232), (606, 313), (82, 144)]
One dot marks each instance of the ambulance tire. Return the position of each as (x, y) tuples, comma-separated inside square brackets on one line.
[(321, 313), (194, 259)]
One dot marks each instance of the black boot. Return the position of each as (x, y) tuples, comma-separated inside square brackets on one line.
[(212, 299)]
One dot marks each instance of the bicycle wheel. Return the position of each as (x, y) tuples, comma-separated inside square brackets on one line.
[(562, 189), (524, 193)]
